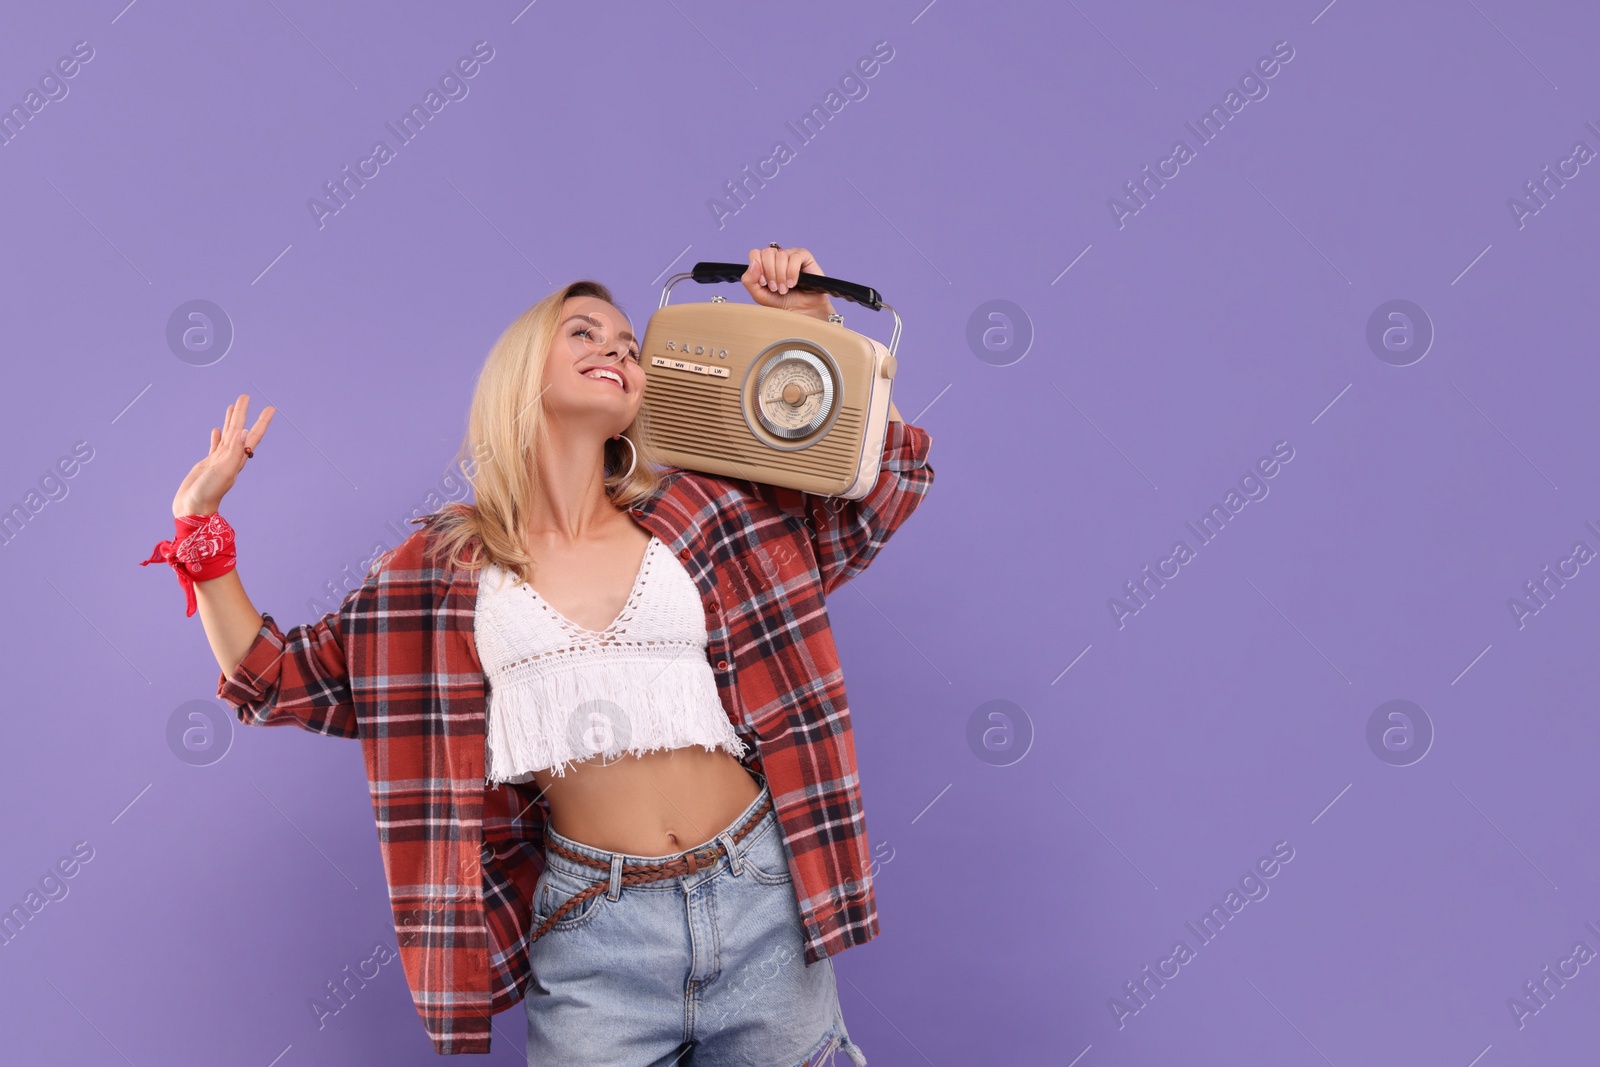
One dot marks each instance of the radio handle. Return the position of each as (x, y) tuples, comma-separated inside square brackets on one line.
[(731, 272), (707, 273)]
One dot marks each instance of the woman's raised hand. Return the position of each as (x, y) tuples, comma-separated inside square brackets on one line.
[(771, 276), (209, 480)]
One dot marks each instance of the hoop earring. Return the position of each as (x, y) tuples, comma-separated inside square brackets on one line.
[(635, 454)]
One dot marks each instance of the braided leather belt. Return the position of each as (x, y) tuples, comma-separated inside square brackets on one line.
[(639, 873)]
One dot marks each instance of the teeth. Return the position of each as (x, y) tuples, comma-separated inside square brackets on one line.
[(599, 372)]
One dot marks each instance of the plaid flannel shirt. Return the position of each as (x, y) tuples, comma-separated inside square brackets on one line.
[(397, 667)]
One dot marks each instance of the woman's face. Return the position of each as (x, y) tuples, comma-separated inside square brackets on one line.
[(593, 368)]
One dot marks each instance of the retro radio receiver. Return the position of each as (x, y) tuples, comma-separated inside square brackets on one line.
[(751, 392)]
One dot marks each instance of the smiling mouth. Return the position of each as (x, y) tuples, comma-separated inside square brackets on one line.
[(605, 374)]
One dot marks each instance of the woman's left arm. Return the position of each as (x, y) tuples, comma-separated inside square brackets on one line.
[(845, 535)]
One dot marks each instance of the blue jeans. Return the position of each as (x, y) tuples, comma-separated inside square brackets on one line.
[(701, 970)]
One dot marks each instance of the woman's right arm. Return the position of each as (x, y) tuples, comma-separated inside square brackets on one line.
[(232, 623), (299, 677), (271, 678)]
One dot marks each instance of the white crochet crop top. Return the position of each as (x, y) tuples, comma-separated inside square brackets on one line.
[(559, 693)]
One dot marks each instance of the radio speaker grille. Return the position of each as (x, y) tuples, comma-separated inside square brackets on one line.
[(685, 413)]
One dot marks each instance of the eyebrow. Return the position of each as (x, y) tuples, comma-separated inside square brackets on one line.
[(596, 322)]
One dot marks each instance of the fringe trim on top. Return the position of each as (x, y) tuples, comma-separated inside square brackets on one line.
[(550, 719)]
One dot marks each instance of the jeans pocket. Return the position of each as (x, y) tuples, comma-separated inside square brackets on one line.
[(765, 857), (555, 888)]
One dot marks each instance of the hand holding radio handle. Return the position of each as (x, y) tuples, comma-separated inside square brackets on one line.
[(773, 280), (708, 273), (801, 294)]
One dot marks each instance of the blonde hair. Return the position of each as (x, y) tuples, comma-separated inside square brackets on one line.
[(505, 425)]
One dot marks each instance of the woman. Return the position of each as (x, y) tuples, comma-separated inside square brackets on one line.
[(653, 875)]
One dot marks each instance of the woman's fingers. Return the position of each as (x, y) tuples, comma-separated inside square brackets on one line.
[(229, 420), (781, 267), (755, 279), (801, 259), (772, 267), (257, 431), (233, 430), (774, 272)]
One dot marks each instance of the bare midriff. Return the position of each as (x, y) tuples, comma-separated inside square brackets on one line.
[(656, 804)]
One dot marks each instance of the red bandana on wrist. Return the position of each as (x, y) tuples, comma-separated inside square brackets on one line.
[(201, 549)]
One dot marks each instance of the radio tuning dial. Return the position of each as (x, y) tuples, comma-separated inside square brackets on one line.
[(794, 392)]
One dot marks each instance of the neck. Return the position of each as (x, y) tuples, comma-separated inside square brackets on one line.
[(570, 502)]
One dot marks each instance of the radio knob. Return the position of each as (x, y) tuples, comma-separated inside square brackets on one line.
[(794, 392), (889, 367)]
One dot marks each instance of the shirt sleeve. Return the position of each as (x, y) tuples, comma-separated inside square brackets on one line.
[(847, 534), (515, 815), (299, 678)]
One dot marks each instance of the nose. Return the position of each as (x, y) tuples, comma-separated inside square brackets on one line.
[(602, 344), (617, 352)]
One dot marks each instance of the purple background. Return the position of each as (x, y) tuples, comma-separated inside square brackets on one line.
[(1228, 314)]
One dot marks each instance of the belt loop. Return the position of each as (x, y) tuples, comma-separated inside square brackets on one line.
[(735, 857), (615, 889)]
